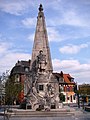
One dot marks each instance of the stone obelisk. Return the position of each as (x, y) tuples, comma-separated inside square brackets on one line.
[(41, 41)]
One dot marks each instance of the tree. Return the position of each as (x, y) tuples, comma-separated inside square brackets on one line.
[(84, 89), (62, 97), (12, 90), (3, 78)]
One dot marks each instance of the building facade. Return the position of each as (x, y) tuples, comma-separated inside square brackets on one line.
[(69, 89)]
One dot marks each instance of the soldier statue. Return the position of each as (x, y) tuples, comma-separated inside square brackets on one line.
[(41, 61)]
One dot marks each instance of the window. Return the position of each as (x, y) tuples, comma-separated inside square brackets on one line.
[(74, 97), (65, 89), (16, 78), (72, 79), (41, 87), (68, 89), (71, 98), (71, 89), (61, 89), (26, 69), (67, 98)]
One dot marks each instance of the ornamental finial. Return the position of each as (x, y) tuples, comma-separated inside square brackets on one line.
[(40, 8)]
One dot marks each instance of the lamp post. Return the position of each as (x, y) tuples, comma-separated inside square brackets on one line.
[(83, 101), (78, 100), (76, 90)]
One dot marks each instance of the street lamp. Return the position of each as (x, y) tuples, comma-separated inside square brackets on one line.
[(78, 99)]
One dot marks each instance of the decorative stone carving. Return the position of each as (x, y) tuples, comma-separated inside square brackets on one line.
[(41, 61)]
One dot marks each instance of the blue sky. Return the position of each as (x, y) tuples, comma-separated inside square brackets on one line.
[(68, 26)]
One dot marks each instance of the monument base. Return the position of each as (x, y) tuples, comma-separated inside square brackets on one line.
[(31, 113)]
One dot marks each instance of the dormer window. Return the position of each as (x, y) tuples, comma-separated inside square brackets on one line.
[(72, 79), (26, 69)]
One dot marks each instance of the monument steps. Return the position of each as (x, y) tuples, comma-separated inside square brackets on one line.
[(28, 113)]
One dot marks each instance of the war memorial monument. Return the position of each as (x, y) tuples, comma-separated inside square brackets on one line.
[(41, 87)]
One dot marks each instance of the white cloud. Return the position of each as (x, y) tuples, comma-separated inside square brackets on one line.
[(8, 58), (72, 49), (54, 35), (67, 33), (64, 64), (81, 72), (31, 37), (15, 7), (29, 22), (3, 48), (71, 17), (73, 13)]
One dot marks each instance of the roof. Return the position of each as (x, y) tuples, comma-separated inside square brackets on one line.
[(59, 77), (20, 67), (23, 63), (57, 74), (68, 78)]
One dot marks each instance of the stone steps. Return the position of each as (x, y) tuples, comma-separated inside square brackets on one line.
[(27, 113)]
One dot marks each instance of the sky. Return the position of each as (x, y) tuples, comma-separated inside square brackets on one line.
[(68, 27)]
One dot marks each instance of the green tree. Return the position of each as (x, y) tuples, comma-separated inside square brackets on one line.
[(84, 89), (62, 97), (12, 90)]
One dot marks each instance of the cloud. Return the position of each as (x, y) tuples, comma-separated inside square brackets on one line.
[(63, 33), (72, 18), (69, 24), (72, 13), (64, 64), (81, 72), (72, 49), (15, 7), (29, 22), (31, 37), (8, 60), (8, 57), (3, 48), (53, 34)]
